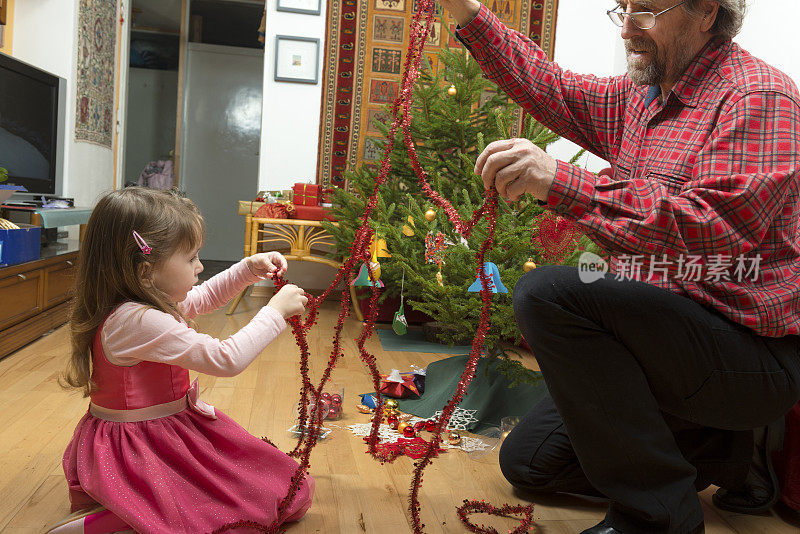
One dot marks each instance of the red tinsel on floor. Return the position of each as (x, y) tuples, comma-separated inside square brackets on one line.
[(425, 451), (415, 447), (475, 507)]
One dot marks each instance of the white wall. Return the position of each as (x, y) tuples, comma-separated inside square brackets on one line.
[(770, 33), (45, 35), (290, 113)]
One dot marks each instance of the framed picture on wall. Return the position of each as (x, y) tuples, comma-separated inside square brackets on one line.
[(296, 59), (308, 7)]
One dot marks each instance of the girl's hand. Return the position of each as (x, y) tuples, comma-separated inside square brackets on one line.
[(290, 300), (267, 264)]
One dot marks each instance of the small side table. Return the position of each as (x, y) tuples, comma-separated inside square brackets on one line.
[(300, 235)]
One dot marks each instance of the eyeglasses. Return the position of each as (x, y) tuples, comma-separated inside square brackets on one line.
[(644, 20)]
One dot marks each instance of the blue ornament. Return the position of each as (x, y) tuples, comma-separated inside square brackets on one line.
[(495, 284), (369, 401)]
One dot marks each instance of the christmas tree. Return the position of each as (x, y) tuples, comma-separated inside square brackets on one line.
[(456, 113)]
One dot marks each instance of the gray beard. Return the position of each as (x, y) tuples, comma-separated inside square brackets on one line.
[(656, 71), (652, 74)]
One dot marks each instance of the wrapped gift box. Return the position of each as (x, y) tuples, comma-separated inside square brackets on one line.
[(311, 213), (306, 194), (19, 246), (249, 206)]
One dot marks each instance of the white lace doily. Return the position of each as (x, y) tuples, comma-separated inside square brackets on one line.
[(460, 419), (388, 435), (469, 444)]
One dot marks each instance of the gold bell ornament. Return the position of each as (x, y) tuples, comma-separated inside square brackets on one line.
[(409, 230)]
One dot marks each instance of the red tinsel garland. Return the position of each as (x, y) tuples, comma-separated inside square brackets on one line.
[(473, 507), (359, 252)]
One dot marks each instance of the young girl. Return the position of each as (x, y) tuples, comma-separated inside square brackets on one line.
[(152, 455)]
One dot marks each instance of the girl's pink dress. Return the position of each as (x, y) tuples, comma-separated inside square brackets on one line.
[(197, 469)]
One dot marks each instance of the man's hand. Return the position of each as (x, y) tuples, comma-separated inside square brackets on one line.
[(267, 264), (463, 11), (516, 166)]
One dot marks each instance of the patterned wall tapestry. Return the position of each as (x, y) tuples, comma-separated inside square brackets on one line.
[(365, 48), (97, 42)]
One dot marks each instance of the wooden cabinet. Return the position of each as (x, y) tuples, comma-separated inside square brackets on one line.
[(34, 299), (21, 297), (58, 281)]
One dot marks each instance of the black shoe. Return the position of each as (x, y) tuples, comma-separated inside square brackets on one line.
[(760, 491), (602, 528)]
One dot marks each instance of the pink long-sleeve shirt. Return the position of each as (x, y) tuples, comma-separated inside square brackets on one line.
[(135, 333)]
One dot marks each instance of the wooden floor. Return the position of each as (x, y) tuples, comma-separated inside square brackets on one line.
[(353, 492)]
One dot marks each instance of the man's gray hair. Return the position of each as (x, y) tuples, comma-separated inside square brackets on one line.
[(729, 17)]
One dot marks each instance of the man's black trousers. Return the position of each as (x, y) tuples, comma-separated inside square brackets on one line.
[(640, 378)]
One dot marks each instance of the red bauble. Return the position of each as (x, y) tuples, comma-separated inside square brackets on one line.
[(336, 398), (392, 421), (327, 396), (409, 431), (430, 425), (419, 426)]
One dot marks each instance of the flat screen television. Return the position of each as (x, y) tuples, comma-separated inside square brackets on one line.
[(32, 112)]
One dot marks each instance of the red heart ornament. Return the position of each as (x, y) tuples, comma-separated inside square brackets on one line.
[(557, 236), (483, 507)]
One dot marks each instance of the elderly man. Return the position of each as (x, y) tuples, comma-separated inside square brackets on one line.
[(658, 368)]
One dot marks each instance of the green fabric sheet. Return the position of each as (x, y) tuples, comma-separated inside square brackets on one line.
[(489, 394)]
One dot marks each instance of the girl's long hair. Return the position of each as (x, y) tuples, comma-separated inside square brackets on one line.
[(111, 265)]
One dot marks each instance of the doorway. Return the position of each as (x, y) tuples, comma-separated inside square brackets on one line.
[(202, 119)]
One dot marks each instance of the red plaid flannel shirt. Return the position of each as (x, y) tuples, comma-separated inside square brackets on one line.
[(710, 175)]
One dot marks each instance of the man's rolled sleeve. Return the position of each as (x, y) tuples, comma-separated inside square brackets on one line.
[(479, 34)]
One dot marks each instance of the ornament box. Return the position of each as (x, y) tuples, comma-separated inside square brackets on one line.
[(20, 245), (311, 213)]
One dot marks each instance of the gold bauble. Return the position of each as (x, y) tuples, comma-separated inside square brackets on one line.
[(430, 214), (392, 404), (529, 265), (452, 90), (401, 425), (454, 438), (364, 408)]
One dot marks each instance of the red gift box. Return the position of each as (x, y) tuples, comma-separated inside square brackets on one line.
[(311, 213), (306, 194)]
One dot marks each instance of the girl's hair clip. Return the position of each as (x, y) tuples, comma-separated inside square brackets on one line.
[(142, 245)]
